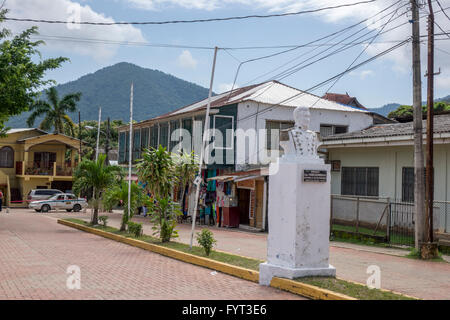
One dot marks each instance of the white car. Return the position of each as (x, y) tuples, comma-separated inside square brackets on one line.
[(66, 201)]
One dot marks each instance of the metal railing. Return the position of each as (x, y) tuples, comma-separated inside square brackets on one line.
[(33, 168), (381, 217)]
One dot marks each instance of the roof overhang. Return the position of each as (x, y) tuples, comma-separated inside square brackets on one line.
[(401, 140), (50, 137)]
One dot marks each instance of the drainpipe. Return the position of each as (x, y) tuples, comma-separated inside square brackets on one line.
[(265, 203)]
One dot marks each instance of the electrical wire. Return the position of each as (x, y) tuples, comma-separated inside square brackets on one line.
[(439, 4), (190, 21)]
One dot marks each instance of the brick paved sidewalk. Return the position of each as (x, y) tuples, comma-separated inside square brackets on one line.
[(426, 280), (35, 252)]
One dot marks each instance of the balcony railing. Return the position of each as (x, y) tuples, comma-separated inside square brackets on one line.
[(43, 169)]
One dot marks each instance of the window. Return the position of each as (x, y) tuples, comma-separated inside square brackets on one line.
[(329, 129), (44, 159), (144, 138), (6, 157), (408, 183), (154, 136), (225, 125), (273, 133), (164, 134), (174, 134), (136, 144), (122, 147), (187, 126), (359, 181)]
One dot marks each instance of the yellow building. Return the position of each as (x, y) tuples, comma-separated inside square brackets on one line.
[(34, 159)]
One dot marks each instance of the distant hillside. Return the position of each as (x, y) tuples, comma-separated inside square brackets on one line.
[(155, 93), (386, 109)]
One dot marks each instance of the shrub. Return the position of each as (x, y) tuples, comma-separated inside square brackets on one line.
[(104, 220), (206, 239), (163, 214), (135, 228)]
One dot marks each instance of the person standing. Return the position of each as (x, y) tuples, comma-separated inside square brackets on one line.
[(1, 200)]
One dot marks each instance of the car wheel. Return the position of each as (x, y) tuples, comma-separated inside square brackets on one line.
[(69, 210), (45, 208), (37, 210), (76, 208)]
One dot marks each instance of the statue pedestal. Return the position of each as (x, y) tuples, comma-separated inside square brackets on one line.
[(299, 221)]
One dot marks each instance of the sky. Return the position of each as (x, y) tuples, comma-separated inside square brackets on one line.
[(384, 80)]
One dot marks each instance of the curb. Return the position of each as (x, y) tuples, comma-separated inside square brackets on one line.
[(292, 286)]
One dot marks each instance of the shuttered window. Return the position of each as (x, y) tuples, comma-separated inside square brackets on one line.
[(164, 135), (136, 144), (154, 136), (144, 138), (6, 157), (174, 135), (360, 181), (122, 147)]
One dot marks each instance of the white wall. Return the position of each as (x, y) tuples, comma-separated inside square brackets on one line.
[(390, 160), (253, 114)]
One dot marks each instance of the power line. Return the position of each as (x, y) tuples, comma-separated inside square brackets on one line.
[(333, 35), (359, 55), (189, 21), (443, 9)]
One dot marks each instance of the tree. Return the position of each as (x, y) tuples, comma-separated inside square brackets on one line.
[(55, 111), (21, 72), (405, 112), (95, 176), (119, 195), (157, 169), (89, 136), (162, 171)]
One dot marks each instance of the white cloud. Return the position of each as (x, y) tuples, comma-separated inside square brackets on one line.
[(70, 10), (362, 74), (186, 60), (224, 87)]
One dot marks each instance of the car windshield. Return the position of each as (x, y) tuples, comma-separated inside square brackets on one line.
[(55, 197)]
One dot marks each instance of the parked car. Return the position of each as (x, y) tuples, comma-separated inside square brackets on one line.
[(66, 201), (42, 194)]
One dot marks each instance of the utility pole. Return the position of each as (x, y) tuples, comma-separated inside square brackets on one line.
[(419, 190), (430, 126), (198, 180), (107, 141), (130, 151)]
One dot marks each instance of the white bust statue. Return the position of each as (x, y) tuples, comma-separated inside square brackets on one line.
[(301, 143)]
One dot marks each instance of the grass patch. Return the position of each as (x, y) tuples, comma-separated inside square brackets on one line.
[(415, 254), (362, 230), (235, 260), (351, 289)]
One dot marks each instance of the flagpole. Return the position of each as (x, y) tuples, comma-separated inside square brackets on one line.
[(98, 131), (130, 151), (202, 151)]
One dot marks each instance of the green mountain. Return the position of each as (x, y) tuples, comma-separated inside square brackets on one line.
[(387, 108), (155, 93)]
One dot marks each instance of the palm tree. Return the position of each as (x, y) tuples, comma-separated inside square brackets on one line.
[(119, 194), (96, 176), (55, 111), (157, 169)]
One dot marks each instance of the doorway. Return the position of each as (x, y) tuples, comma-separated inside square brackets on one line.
[(244, 206)]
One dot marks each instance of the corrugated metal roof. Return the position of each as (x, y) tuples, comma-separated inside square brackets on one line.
[(17, 130), (441, 125), (272, 93)]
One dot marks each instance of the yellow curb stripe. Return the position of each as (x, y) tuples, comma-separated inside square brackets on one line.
[(292, 286), (307, 290)]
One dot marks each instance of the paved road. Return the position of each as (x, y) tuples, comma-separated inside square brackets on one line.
[(426, 280), (35, 252)]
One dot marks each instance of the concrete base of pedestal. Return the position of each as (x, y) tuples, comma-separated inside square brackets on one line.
[(268, 271)]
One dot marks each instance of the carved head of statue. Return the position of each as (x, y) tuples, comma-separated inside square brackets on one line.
[(302, 117)]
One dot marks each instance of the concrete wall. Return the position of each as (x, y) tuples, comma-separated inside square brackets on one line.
[(390, 160)]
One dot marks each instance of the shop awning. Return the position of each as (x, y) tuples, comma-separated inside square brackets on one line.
[(251, 177), (221, 178)]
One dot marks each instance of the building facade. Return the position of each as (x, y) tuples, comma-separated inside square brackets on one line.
[(33, 159), (245, 125)]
